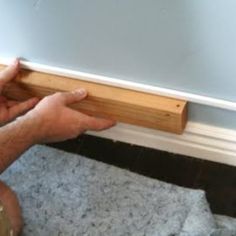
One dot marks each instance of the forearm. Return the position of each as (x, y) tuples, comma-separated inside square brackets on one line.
[(15, 138)]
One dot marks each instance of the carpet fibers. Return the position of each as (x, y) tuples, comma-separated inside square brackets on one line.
[(67, 194)]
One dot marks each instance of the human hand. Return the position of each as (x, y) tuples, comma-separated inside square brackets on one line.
[(58, 122), (10, 109)]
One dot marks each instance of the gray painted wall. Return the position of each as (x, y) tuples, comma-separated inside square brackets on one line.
[(184, 45)]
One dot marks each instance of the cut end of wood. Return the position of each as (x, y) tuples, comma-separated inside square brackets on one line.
[(123, 105)]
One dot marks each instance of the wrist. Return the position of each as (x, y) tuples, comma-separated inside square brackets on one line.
[(32, 126)]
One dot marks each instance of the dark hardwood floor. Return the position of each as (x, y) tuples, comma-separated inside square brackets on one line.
[(218, 180)]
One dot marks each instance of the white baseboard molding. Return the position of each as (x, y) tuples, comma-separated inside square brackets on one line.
[(123, 83), (199, 140)]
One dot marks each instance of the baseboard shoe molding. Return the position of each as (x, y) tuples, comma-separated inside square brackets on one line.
[(122, 83), (199, 140)]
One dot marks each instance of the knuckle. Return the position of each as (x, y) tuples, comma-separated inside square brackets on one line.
[(60, 96), (52, 97)]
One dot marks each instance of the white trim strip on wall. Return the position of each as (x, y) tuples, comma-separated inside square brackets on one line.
[(195, 98), (198, 140)]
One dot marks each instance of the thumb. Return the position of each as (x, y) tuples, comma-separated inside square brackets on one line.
[(74, 96)]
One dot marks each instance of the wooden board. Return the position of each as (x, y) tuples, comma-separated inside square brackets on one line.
[(123, 105)]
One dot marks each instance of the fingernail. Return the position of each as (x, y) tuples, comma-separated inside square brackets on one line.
[(81, 91)]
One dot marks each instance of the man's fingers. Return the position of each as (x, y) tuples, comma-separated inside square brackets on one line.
[(11, 103), (22, 107), (74, 96), (2, 99), (9, 73), (98, 124)]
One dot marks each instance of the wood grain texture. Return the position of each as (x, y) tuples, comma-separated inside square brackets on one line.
[(123, 105)]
